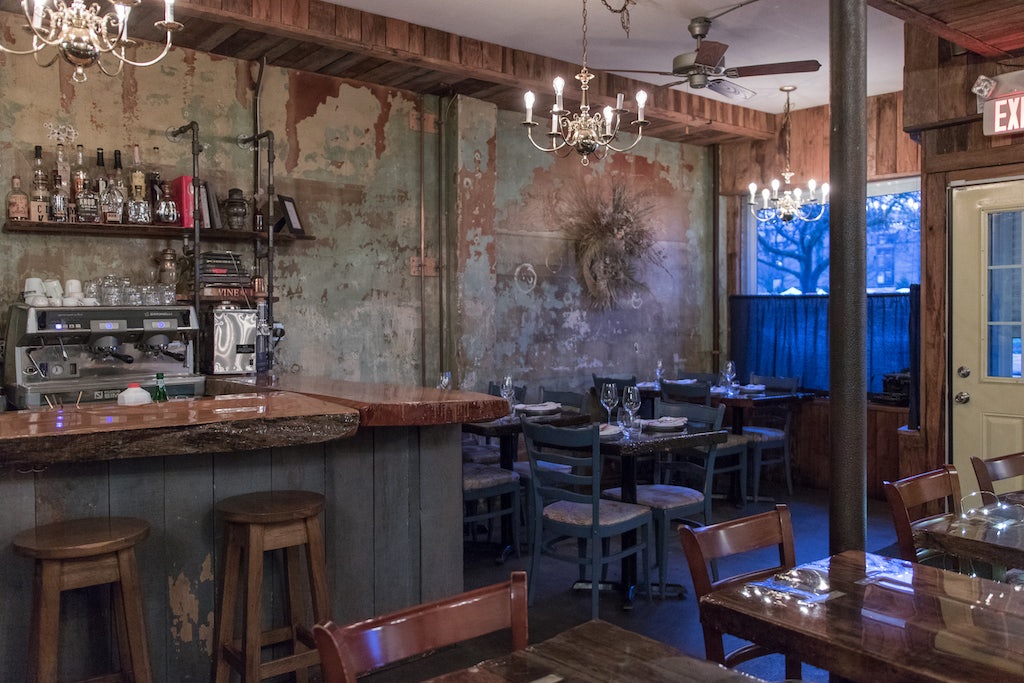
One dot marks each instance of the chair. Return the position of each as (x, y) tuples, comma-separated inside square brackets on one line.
[(710, 378), (568, 505), (685, 392), (997, 469), (906, 496), (670, 503), (494, 389), (257, 523), (347, 652), (485, 487), (81, 553), (569, 399), (771, 437), (710, 543), (620, 382)]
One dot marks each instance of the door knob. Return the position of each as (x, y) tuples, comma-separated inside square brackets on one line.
[(962, 397), (963, 372)]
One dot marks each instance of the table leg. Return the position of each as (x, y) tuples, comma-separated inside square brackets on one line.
[(629, 538), (508, 453)]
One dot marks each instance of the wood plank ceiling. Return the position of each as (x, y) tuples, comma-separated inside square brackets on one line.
[(316, 36)]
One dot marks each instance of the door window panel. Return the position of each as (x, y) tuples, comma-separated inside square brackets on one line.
[(1005, 284)]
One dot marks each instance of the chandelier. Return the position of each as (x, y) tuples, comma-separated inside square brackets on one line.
[(81, 35), (789, 204), (585, 133)]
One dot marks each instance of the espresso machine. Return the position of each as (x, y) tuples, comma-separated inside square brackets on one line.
[(61, 356)]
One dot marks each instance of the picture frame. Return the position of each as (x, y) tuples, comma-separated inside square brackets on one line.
[(290, 217)]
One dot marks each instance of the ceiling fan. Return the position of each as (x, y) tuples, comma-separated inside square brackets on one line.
[(705, 67)]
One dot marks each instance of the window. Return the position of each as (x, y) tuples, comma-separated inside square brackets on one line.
[(793, 258)]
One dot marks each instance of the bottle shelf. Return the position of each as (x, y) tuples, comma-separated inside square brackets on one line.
[(133, 231)]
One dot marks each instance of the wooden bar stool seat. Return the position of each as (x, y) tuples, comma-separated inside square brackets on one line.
[(257, 523), (80, 553)]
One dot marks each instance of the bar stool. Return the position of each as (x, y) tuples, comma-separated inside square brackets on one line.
[(257, 523), (79, 553)]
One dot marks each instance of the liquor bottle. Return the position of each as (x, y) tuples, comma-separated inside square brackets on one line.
[(153, 181), (117, 192), (79, 174), (39, 207), (160, 392), (17, 201), (136, 172), (59, 201), (139, 209), (61, 165), (99, 174)]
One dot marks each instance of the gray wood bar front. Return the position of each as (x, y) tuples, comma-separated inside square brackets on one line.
[(392, 529)]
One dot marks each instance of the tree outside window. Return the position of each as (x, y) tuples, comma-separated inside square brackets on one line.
[(793, 257)]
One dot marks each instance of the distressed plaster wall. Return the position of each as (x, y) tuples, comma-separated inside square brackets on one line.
[(521, 306)]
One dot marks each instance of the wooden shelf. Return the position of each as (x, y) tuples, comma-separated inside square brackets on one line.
[(130, 231)]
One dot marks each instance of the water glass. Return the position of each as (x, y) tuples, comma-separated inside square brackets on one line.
[(508, 392), (168, 296), (444, 382)]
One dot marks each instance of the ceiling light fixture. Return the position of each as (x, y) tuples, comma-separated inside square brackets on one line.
[(81, 35), (790, 204), (585, 133)]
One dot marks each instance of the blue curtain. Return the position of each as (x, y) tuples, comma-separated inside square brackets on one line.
[(788, 336)]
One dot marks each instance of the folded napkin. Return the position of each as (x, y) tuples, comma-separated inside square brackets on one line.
[(646, 385), (679, 381), (546, 407), (608, 430), (752, 388), (718, 390), (665, 423)]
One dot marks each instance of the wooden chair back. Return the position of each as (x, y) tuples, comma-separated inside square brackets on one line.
[(996, 469), (578, 449), (689, 392), (776, 384), (347, 652), (620, 383), (568, 399), (907, 500), (494, 389), (706, 377), (704, 545), (699, 416)]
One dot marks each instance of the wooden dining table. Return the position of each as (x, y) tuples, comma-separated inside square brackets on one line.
[(738, 402), (865, 617), (596, 652), (993, 534)]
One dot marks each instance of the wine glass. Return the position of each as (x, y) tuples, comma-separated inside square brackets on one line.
[(729, 372), (609, 398), (508, 392), (631, 400), (659, 372), (444, 381)]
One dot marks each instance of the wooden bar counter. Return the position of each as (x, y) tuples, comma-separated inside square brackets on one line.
[(386, 457)]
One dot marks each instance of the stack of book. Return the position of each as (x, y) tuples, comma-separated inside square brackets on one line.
[(222, 269)]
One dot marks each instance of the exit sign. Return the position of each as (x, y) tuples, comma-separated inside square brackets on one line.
[(1004, 115)]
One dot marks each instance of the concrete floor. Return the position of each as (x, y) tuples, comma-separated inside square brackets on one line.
[(675, 621)]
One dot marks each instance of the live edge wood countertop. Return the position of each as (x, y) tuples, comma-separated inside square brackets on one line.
[(236, 415)]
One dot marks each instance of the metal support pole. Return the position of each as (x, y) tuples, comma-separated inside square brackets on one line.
[(847, 310)]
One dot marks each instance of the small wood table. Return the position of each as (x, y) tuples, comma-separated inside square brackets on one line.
[(880, 619), (741, 402), (597, 652)]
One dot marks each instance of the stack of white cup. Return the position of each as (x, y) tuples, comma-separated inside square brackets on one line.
[(34, 293), (73, 293)]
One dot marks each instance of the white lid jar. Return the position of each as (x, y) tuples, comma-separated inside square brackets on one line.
[(134, 395)]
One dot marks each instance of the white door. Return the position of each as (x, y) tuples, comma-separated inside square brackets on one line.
[(987, 325)]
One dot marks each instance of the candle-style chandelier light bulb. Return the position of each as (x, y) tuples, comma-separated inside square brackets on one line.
[(81, 35), (585, 133), (789, 204)]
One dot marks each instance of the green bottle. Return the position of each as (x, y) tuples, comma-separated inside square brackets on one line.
[(160, 393)]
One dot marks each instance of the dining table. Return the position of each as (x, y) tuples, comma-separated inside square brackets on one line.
[(628, 450), (867, 617), (596, 652), (738, 399), (992, 533)]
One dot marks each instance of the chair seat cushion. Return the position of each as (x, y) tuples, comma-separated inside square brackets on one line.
[(476, 476), (737, 441), (522, 467), (611, 512), (480, 454), (661, 496), (764, 433)]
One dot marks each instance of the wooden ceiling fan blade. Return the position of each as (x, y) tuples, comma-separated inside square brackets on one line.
[(710, 53), (773, 69), (638, 71)]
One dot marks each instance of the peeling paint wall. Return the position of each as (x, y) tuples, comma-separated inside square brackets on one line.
[(362, 163)]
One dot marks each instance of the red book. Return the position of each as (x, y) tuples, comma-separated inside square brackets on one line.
[(183, 193)]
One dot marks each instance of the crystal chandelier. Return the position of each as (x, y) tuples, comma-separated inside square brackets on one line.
[(585, 133), (81, 35), (789, 204)]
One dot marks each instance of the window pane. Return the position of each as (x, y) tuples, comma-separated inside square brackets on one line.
[(1004, 295), (1004, 350), (1004, 238)]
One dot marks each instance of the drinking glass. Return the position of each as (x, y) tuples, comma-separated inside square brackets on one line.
[(659, 372), (631, 400), (508, 392), (609, 398), (444, 382), (729, 372)]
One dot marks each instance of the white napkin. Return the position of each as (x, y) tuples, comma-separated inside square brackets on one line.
[(609, 430), (532, 407), (752, 388), (665, 422)]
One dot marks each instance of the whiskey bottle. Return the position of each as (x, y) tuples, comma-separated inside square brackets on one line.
[(17, 201), (61, 165), (139, 209), (59, 201), (39, 206), (79, 175), (113, 198), (87, 205), (99, 174), (136, 172)]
